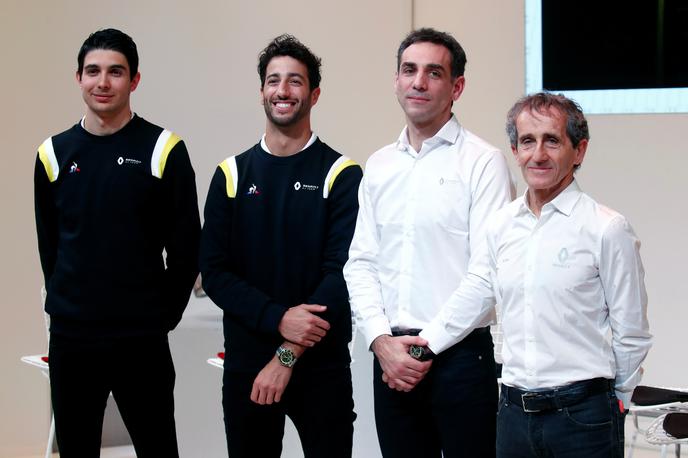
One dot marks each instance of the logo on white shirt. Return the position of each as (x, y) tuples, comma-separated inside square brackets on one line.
[(563, 259)]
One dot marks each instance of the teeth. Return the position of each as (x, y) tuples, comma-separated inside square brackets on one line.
[(283, 105)]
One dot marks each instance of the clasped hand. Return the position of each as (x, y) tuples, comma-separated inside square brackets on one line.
[(301, 325), (400, 371)]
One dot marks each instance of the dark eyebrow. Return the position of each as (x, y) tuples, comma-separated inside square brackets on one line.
[(289, 75), (112, 67), (434, 67), (408, 65)]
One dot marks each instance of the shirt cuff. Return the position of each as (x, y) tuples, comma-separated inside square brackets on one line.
[(374, 327), (438, 338), (625, 397), (272, 316)]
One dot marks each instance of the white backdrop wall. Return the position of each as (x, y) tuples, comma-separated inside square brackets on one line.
[(198, 78)]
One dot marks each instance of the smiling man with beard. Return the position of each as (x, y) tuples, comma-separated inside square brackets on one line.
[(278, 223)]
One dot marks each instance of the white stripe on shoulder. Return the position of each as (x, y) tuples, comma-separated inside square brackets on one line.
[(166, 141), (336, 168), (157, 152), (229, 167), (46, 153)]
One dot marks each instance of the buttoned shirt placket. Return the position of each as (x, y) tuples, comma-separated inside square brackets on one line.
[(413, 190), (530, 344)]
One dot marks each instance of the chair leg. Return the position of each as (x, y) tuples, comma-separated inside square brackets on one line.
[(51, 438), (664, 450), (678, 450), (631, 445)]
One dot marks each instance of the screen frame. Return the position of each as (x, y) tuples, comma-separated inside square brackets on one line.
[(601, 101)]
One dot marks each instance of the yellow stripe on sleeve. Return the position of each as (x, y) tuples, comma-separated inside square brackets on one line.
[(337, 171), (229, 179), (46, 154)]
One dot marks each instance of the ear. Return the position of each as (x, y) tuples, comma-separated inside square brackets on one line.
[(135, 82), (78, 77), (459, 85), (580, 151), (315, 95), (514, 151)]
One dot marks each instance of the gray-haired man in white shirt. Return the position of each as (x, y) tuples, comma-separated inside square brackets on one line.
[(424, 201), (568, 275)]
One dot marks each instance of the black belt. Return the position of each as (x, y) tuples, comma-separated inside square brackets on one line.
[(557, 398), (396, 332)]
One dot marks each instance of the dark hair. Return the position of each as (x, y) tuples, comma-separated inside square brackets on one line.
[(428, 35), (111, 40), (542, 102), (288, 45)]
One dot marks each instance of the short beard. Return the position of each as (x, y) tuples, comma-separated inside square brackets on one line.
[(302, 112)]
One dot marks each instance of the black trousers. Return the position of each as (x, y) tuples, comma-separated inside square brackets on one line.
[(451, 412), (319, 403), (590, 427), (140, 374)]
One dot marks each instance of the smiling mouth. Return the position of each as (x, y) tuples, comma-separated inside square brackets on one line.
[(539, 169)]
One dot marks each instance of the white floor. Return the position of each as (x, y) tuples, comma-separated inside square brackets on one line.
[(641, 451)]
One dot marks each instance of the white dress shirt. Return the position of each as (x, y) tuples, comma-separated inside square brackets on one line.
[(571, 288), (421, 215)]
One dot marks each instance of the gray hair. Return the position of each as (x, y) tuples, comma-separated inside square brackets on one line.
[(542, 102)]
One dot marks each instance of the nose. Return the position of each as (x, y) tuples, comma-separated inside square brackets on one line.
[(283, 90), (420, 82), (103, 80), (539, 153)]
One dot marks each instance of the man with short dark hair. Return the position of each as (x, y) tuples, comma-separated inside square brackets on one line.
[(568, 275), (423, 204), (112, 194), (278, 222)]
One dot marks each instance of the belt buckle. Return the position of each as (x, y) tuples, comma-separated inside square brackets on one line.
[(524, 398)]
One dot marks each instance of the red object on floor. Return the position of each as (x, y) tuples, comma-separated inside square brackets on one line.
[(221, 355), (44, 359)]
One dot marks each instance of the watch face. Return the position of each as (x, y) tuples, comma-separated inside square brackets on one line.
[(286, 357), (416, 352)]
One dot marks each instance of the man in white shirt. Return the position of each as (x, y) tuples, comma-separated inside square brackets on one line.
[(423, 202), (568, 275)]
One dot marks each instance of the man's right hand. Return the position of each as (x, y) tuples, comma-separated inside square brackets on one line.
[(400, 371), (301, 326)]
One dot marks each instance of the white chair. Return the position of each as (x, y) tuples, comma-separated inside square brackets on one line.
[(218, 361), (667, 429), (656, 403), (41, 361)]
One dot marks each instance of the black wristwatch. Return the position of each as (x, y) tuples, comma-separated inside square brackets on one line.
[(285, 356), (420, 353)]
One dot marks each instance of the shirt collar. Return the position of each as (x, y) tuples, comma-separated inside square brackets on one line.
[(563, 203), (449, 133), (264, 145)]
